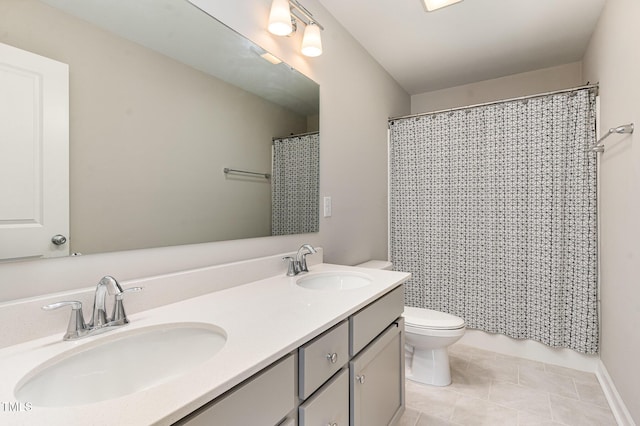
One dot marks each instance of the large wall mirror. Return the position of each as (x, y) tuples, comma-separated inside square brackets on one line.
[(163, 98)]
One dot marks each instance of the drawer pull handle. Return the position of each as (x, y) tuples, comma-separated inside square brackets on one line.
[(360, 379), (333, 358), (332, 424)]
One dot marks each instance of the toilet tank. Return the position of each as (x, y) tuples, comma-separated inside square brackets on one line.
[(376, 264)]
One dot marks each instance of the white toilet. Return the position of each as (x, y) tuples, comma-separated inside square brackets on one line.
[(428, 334)]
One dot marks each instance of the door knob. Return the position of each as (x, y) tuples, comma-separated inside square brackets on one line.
[(58, 239)]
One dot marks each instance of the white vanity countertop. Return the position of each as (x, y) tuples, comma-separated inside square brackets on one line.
[(264, 320)]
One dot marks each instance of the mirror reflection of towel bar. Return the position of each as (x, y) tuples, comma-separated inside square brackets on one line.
[(227, 170), (627, 128)]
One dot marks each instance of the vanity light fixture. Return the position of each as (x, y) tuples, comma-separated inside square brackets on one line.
[(283, 19), (432, 5)]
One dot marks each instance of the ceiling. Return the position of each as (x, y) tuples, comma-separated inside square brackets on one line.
[(471, 41)]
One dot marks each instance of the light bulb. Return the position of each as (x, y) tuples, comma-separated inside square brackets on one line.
[(280, 18), (311, 41)]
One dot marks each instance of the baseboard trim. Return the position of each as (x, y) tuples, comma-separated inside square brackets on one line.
[(530, 349), (617, 405)]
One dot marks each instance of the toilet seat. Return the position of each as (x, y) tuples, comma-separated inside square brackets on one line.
[(420, 318)]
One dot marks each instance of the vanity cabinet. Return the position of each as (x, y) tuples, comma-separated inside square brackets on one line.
[(372, 381), (376, 369), (352, 374)]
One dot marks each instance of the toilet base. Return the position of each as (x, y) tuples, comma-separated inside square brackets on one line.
[(430, 367)]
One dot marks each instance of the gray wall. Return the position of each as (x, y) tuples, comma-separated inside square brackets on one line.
[(512, 86), (613, 59)]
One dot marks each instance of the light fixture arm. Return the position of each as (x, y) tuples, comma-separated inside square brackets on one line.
[(307, 17)]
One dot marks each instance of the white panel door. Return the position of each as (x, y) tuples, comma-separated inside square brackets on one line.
[(34, 155)]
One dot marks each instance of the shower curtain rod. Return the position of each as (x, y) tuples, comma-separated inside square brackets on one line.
[(522, 98), (294, 136)]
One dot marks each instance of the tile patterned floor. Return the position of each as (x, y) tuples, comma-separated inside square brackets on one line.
[(494, 389)]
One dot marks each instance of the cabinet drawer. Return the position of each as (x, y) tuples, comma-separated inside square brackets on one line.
[(263, 400), (330, 405), (366, 324), (320, 358)]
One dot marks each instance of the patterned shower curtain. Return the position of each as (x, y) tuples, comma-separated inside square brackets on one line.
[(295, 184), (493, 211)]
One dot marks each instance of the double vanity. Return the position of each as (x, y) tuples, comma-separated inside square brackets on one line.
[(319, 348)]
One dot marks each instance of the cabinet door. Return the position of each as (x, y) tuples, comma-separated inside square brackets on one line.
[(377, 380)]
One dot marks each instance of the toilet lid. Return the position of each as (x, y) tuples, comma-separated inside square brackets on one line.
[(427, 318)]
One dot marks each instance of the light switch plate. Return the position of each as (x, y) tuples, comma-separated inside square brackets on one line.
[(327, 206)]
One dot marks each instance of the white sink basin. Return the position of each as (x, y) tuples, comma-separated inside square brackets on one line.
[(334, 281), (118, 365)]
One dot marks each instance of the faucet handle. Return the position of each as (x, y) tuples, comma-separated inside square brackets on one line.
[(291, 266), (75, 305), (76, 325), (119, 315), (120, 294)]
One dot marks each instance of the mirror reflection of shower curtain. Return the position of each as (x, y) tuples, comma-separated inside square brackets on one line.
[(493, 211), (295, 184)]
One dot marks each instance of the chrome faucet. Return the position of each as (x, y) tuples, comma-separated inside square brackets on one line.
[(100, 322), (299, 264)]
